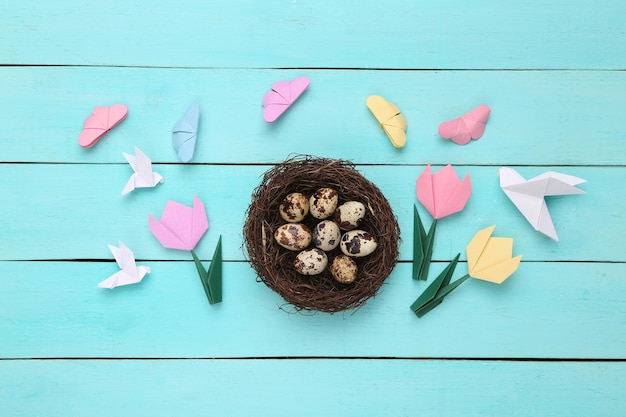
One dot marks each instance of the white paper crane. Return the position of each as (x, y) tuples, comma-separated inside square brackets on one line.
[(143, 177), (528, 195), (129, 272)]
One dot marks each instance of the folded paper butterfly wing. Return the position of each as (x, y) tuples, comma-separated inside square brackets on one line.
[(297, 87), (99, 122), (94, 127), (476, 120), (456, 131), (381, 108), (282, 96), (395, 128), (273, 106), (184, 133), (467, 127), (391, 120)]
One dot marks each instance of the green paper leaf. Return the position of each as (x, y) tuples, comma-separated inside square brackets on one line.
[(432, 295), (211, 280), (214, 279), (422, 246), (203, 276)]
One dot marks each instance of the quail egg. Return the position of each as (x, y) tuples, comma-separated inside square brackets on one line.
[(323, 203), (326, 235), (349, 215), (357, 243), (294, 208), (344, 269), (293, 236), (311, 262)]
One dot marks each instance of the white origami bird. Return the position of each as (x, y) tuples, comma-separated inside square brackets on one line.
[(129, 272), (143, 176), (528, 195)]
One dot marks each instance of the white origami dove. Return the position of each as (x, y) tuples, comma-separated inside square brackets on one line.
[(528, 195), (129, 272), (143, 176)]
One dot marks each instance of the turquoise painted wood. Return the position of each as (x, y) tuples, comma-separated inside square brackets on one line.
[(544, 311), (313, 387), (555, 113), (549, 341), (76, 210), (450, 34)]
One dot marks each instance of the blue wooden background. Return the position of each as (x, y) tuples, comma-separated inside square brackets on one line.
[(549, 341)]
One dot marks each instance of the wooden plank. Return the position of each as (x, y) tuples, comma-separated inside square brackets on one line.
[(74, 211), (545, 310), (453, 34), (538, 117), (311, 388)]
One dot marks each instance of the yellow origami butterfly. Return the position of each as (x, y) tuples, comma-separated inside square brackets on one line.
[(391, 120)]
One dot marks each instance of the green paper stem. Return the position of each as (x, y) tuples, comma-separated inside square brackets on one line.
[(437, 290), (426, 301), (422, 246), (211, 280)]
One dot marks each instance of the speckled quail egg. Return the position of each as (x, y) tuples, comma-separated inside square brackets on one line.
[(323, 203), (293, 236), (357, 243), (349, 215), (344, 269), (311, 261), (326, 235), (294, 208)]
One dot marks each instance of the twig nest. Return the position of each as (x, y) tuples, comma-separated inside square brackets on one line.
[(278, 266)]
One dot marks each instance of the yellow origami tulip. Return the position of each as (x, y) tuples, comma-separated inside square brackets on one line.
[(488, 258), (491, 258)]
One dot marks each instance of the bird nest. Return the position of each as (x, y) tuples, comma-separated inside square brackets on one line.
[(274, 265)]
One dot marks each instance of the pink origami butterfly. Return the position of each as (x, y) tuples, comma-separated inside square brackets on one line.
[(469, 126), (99, 122), (282, 95)]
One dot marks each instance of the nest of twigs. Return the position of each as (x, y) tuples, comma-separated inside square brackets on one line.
[(275, 265)]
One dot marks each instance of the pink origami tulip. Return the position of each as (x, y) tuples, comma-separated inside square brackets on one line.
[(180, 227), (443, 193)]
